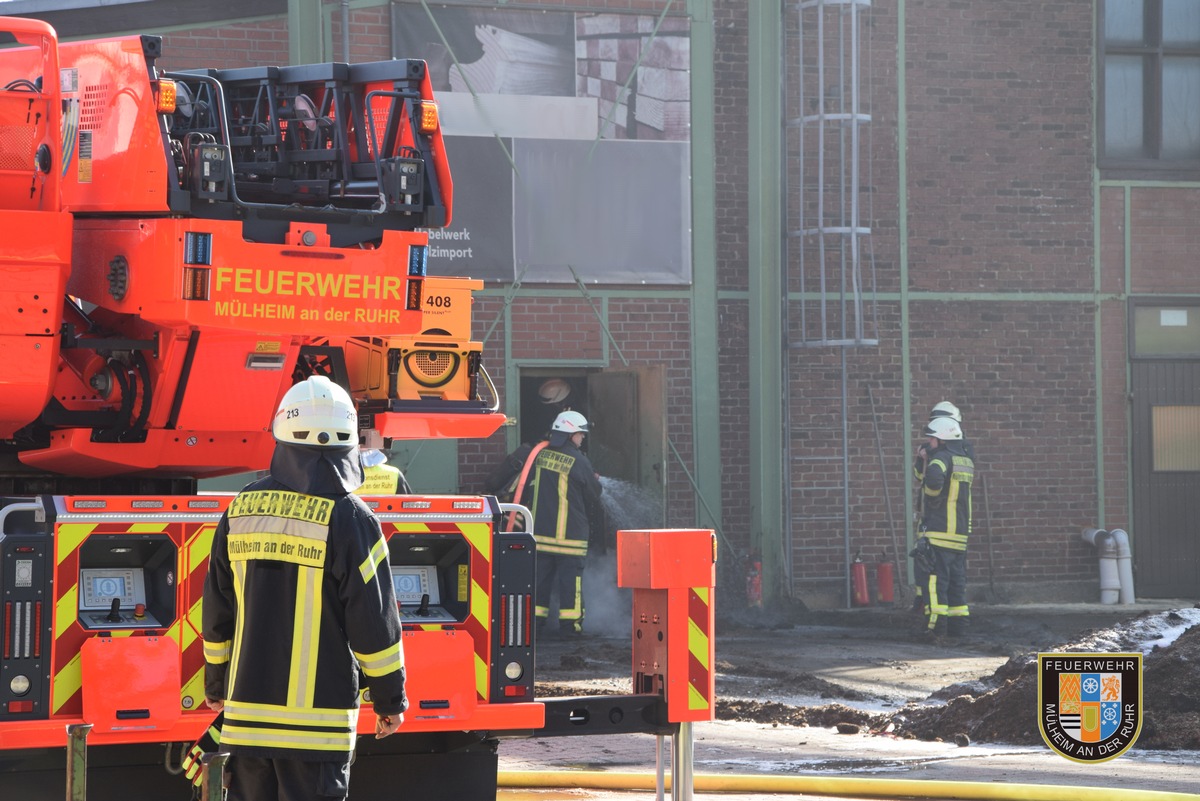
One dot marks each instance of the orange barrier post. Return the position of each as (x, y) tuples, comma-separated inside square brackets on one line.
[(673, 574)]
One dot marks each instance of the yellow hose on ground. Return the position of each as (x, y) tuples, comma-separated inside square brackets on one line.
[(835, 785)]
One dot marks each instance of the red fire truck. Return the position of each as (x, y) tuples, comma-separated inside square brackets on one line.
[(177, 250)]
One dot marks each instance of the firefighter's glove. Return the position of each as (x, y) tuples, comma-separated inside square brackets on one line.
[(192, 766), (193, 762)]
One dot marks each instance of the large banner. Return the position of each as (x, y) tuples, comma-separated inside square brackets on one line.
[(568, 142)]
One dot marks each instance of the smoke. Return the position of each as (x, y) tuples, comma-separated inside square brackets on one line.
[(608, 607)]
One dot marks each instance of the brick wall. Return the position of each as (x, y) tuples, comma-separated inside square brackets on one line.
[(1164, 236), (999, 159), (1000, 145), (252, 44)]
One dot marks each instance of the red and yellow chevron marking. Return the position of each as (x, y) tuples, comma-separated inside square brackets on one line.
[(66, 683), (478, 623), (197, 543), (66, 674), (700, 652)]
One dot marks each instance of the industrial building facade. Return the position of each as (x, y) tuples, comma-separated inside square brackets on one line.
[(759, 240)]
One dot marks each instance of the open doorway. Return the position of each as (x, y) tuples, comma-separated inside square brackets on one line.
[(627, 447), (626, 443)]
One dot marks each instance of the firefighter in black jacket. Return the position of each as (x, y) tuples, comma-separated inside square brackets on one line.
[(297, 601), (563, 492), (946, 523), (920, 554)]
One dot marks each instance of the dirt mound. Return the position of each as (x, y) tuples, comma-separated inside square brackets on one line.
[(1007, 713), (776, 681), (849, 669), (775, 713)]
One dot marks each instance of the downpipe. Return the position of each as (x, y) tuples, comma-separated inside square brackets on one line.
[(1106, 547), (1124, 564), (834, 785)]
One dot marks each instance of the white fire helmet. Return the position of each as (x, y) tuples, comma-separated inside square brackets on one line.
[(946, 409), (317, 412), (944, 428), (570, 423), (554, 391)]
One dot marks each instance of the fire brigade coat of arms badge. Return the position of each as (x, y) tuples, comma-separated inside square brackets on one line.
[(1090, 705)]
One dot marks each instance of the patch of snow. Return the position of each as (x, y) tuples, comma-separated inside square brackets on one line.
[(1141, 634)]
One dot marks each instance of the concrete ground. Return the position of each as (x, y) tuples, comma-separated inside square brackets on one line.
[(863, 660)]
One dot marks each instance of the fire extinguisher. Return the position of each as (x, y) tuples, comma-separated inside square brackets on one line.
[(754, 584), (860, 593), (884, 578)]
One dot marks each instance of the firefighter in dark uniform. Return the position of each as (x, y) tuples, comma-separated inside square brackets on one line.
[(297, 601), (946, 524), (920, 553), (563, 492)]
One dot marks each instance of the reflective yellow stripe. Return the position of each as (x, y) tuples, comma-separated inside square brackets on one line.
[(375, 558), (306, 627), (575, 611), (381, 663), (285, 715), (67, 682), (479, 606), (481, 677), (933, 606), (66, 611), (952, 508), (218, 653), (189, 632), (239, 592), (283, 738), (69, 536), (261, 524), (698, 642), (943, 539), (560, 525), (698, 647), (480, 537), (565, 547)]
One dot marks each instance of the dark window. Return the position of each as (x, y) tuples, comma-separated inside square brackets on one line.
[(1165, 330), (1150, 86)]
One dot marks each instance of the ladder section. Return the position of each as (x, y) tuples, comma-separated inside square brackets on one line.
[(827, 227), (830, 272)]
